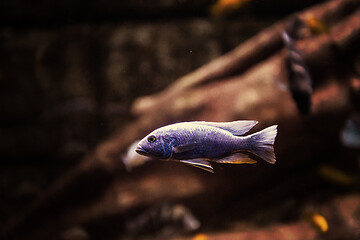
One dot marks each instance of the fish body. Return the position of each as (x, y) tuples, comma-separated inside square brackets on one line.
[(197, 143)]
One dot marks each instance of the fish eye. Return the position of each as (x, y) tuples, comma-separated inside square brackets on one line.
[(151, 138)]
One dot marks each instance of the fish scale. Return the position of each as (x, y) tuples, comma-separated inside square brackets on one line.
[(212, 142)]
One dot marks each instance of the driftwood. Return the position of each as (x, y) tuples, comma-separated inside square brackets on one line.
[(253, 51), (243, 84)]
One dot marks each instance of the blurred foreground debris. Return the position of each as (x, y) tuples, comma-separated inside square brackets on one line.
[(131, 159), (164, 221), (98, 194), (337, 176), (337, 219), (224, 7), (74, 233), (298, 231), (319, 222)]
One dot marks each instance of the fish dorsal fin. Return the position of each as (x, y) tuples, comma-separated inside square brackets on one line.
[(236, 158), (199, 163), (236, 128)]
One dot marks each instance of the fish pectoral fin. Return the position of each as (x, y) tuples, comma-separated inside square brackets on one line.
[(199, 163), (185, 147), (236, 128), (236, 158)]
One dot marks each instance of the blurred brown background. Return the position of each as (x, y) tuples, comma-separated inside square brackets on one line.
[(73, 75)]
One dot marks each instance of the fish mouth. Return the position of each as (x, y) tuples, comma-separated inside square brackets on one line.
[(141, 151)]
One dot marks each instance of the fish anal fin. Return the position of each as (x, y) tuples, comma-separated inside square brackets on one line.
[(237, 158), (203, 168), (199, 163)]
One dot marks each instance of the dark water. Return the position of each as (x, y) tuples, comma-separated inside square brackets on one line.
[(70, 73)]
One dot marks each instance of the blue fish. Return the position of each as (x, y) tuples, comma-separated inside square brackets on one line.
[(198, 143), (350, 135), (298, 73)]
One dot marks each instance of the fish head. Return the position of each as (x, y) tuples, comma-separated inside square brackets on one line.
[(157, 144), (131, 159)]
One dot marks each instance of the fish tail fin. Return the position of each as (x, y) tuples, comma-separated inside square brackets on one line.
[(262, 144)]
